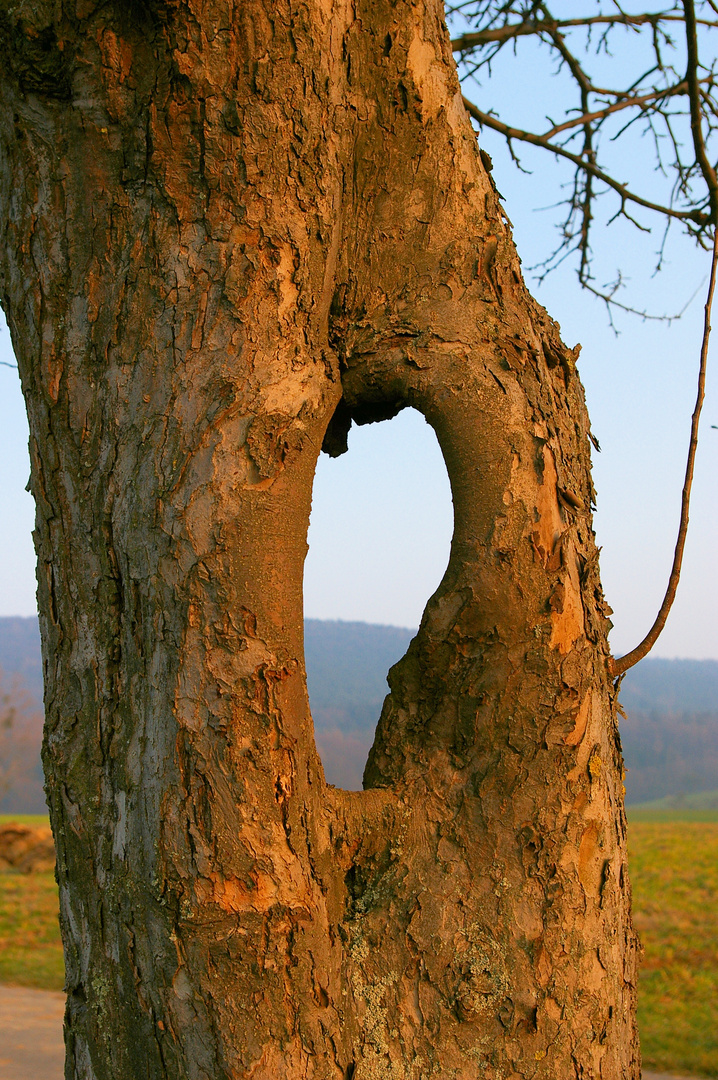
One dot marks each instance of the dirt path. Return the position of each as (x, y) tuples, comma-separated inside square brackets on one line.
[(663, 1076), (31, 1045)]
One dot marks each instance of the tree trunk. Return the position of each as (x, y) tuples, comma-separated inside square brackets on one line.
[(229, 230)]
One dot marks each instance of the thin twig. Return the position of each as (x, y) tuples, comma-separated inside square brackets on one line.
[(611, 302), (5, 364), (625, 103), (621, 665)]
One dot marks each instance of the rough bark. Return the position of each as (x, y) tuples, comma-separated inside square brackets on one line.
[(227, 230)]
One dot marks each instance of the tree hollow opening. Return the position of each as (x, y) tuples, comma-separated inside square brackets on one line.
[(379, 542)]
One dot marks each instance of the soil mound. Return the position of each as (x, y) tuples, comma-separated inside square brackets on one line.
[(25, 849)]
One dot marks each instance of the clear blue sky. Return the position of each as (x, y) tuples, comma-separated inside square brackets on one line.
[(381, 523)]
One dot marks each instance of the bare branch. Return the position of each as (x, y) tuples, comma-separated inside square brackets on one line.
[(624, 103), (658, 99), (609, 299), (696, 216), (501, 34)]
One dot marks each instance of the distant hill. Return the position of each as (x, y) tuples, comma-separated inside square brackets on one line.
[(676, 686), (697, 806), (347, 664), (670, 735), (21, 679), (20, 652)]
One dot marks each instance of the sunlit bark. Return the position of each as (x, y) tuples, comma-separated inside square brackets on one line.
[(227, 232)]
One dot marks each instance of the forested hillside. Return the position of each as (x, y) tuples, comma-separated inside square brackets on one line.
[(347, 665), (20, 653), (670, 731), (669, 735), (20, 717)]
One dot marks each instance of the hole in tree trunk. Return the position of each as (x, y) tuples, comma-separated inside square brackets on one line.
[(379, 542)]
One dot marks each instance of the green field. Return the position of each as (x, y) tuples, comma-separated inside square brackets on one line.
[(30, 949), (674, 871), (25, 819)]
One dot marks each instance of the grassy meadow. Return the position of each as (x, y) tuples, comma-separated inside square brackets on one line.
[(673, 851), (24, 819), (30, 949), (674, 874)]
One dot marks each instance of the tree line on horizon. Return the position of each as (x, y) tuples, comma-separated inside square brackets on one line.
[(669, 731)]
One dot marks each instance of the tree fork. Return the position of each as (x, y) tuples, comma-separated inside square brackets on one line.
[(224, 229)]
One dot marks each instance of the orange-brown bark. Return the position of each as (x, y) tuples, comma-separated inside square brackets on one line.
[(227, 232)]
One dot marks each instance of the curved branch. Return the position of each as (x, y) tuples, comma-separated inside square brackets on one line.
[(621, 665), (587, 166)]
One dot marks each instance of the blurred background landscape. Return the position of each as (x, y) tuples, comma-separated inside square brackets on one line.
[(669, 733), (378, 544)]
